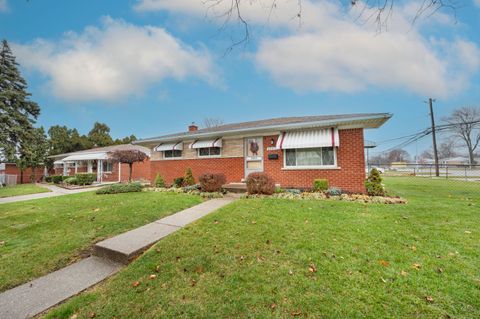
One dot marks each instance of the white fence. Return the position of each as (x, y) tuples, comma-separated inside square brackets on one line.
[(8, 179)]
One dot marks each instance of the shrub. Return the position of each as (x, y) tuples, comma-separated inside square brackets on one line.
[(260, 183), (71, 181), (293, 191), (334, 191), (178, 182), (212, 182), (320, 185), (159, 182), (57, 179), (373, 184), (188, 179), (120, 188), (48, 179), (86, 178)]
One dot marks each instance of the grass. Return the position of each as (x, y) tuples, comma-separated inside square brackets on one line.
[(265, 258), (21, 189), (39, 236)]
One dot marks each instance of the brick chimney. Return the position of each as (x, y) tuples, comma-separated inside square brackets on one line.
[(192, 127)]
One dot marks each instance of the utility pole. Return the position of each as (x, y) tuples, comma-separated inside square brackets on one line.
[(435, 154)]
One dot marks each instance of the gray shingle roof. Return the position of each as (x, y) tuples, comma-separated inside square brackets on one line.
[(274, 122)]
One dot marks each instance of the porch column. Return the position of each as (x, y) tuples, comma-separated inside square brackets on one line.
[(76, 166), (89, 166), (65, 168), (99, 170)]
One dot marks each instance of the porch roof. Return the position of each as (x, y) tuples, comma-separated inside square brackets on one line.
[(86, 157)]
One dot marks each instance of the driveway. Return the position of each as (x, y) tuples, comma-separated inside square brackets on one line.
[(55, 191)]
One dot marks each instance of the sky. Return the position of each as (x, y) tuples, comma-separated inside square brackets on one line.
[(151, 67)]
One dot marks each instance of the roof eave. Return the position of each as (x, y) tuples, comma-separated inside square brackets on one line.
[(366, 122)]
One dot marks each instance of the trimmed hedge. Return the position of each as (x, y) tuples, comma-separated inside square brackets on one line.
[(85, 178), (71, 181), (120, 188), (320, 185), (260, 183), (56, 179), (212, 182)]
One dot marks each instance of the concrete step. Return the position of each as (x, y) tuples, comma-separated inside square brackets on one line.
[(235, 187)]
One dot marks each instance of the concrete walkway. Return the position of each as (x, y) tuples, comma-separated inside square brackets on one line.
[(54, 191), (35, 297)]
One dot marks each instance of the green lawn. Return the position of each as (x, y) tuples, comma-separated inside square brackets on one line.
[(21, 189), (39, 236), (267, 258)]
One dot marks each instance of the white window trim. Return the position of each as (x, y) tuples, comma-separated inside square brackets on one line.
[(110, 171), (209, 156), (319, 167), (172, 158)]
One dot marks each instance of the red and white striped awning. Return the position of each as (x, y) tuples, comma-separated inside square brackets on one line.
[(207, 143), (327, 137), (178, 146)]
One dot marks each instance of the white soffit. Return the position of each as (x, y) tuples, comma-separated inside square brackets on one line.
[(85, 157)]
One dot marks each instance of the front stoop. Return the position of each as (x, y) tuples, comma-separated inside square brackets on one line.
[(235, 187)]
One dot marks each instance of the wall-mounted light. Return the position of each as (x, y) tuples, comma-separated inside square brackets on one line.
[(272, 141)]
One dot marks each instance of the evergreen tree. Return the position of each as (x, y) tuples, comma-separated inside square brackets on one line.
[(99, 135), (188, 179), (17, 112)]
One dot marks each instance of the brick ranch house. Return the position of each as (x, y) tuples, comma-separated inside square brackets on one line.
[(96, 160), (292, 150)]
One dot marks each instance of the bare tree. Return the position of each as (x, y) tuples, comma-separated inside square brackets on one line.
[(447, 149), (210, 122), (465, 123), (380, 11)]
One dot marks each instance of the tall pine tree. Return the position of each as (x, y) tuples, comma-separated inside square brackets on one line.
[(17, 112)]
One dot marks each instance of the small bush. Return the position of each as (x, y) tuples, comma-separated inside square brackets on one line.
[(120, 188), (48, 179), (71, 181), (260, 183), (57, 179), (279, 190), (334, 191), (188, 179), (320, 185), (159, 182), (86, 178), (178, 182), (373, 184), (212, 182)]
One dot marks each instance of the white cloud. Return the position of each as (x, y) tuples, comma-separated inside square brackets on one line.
[(4, 6), (333, 50), (114, 61), (477, 2)]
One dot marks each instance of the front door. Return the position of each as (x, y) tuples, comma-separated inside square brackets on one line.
[(253, 155)]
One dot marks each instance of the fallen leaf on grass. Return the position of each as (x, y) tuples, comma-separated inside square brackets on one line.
[(254, 222), (273, 306), (215, 222), (157, 269), (2, 242), (290, 272), (96, 209), (199, 270), (416, 266), (136, 283), (403, 273), (384, 263), (152, 277), (429, 299), (296, 313), (468, 232), (439, 270), (92, 314), (193, 283), (383, 280), (74, 316), (414, 248), (312, 268)]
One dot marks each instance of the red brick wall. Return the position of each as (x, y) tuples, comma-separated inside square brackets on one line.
[(12, 169), (350, 158), (232, 167), (140, 171)]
